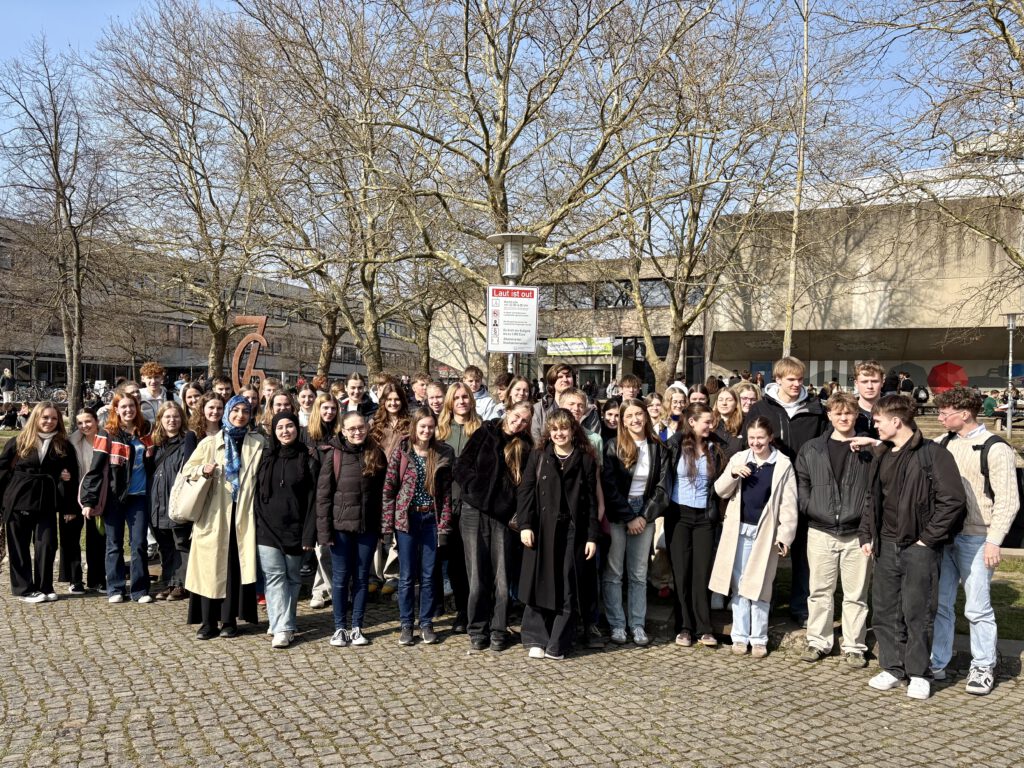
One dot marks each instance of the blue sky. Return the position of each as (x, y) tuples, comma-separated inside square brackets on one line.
[(75, 23)]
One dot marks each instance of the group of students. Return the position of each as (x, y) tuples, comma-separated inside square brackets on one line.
[(554, 503)]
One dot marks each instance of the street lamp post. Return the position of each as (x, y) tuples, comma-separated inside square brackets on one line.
[(1011, 326), (512, 264)]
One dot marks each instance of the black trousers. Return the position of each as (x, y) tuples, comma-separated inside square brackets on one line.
[(454, 552), (486, 543), (240, 599), (70, 569), (28, 530), (905, 596), (172, 560), (690, 536), (555, 630)]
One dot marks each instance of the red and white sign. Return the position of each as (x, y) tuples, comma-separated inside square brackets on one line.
[(512, 319)]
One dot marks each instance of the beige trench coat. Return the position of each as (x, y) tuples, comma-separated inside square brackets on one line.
[(207, 573), (778, 523)]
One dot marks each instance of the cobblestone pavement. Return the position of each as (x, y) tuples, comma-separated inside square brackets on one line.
[(85, 683)]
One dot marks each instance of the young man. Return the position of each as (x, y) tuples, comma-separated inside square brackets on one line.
[(992, 503), (419, 390), (629, 388), (831, 484), (991, 402), (559, 378), (223, 387), (575, 401), (868, 377), (487, 407), (154, 394), (796, 419), (914, 506)]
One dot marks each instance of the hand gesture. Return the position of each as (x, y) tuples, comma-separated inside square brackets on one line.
[(636, 526), (527, 538), (65, 476), (742, 471), (209, 469), (590, 550)]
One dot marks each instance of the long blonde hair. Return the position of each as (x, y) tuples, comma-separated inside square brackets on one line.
[(315, 428), (26, 441), (518, 445), (158, 434), (734, 421), (447, 416)]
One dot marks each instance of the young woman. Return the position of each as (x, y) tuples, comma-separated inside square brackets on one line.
[(488, 473), (746, 394), (677, 402), (222, 562), (455, 426), (81, 440), (278, 402), (172, 447), (699, 394), (760, 524), (39, 474), (207, 417), (728, 419), (253, 396), (609, 420), (695, 461), (418, 508), (118, 459), (713, 385), (633, 475), (285, 521), (191, 394), (324, 426), (655, 405), (517, 391), (349, 503), (356, 397), (391, 422), (306, 397), (557, 516), (435, 398)]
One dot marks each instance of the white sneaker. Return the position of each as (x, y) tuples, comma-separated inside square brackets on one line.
[(536, 652), (980, 681), (281, 640), (884, 681), (52, 597), (340, 638), (33, 597), (145, 599), (115, 599), (640, 637), (317, 602), (619, 636), (356, 637), (919, 688)]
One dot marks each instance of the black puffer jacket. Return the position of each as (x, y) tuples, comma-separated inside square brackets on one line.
[(482, 473), (616, 479), (350, 502), (162, 467), (828, 506), (936, 523)]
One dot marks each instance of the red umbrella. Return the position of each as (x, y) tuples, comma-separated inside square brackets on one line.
[(946, 376)]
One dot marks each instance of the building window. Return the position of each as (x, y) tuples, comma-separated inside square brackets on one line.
[(655, 293), (613, 296)]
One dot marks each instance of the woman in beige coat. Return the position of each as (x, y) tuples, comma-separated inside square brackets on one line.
[(759, 525), (222, 562)]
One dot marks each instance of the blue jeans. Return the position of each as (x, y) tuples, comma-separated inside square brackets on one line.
[(281, 585), (963, 562), (417, 551), (351, 559), (133, 513), (631, 553), (749, 617)]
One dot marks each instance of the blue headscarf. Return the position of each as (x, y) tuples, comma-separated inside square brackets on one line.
[(233, 437)]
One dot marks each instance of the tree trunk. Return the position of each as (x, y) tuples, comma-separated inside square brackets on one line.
[(423, 345), (328, 343), (218, 351)]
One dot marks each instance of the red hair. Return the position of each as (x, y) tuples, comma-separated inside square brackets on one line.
[(138, 426)]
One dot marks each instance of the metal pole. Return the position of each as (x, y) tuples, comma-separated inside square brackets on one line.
[(1009, 376)]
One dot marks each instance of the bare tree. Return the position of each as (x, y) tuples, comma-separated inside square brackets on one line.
[(57, 182), (192, 126)]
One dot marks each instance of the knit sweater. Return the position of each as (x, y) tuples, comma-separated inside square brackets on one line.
[(991, 519)]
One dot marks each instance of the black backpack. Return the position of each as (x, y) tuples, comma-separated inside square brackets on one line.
[(1015, 536)]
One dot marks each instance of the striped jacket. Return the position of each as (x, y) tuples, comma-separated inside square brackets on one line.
[(113, 453)]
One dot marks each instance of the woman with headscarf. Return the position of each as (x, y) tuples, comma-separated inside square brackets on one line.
[(222, 562), (285, 521)]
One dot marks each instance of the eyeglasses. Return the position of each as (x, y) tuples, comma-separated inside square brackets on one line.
[(354, 430)]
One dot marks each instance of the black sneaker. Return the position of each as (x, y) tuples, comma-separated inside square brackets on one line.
[(205, 633), (405, 638), (76, 589), (229, 630), (499, 643), (479, 643), (428, 634)]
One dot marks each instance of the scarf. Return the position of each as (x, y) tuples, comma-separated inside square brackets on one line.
[(233, 437), (43, 443)]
